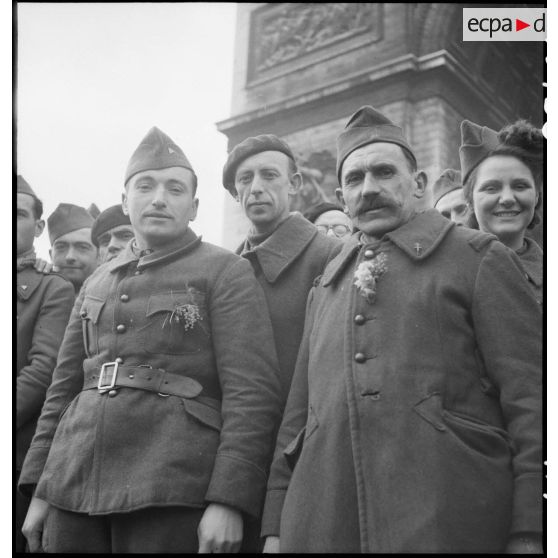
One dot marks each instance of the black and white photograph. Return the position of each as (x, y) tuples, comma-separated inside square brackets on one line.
[(281, 278)]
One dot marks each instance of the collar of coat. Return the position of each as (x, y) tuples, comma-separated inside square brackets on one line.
[(531, 260), (417, 238), (177, 248), (28, 279), (283, 247)]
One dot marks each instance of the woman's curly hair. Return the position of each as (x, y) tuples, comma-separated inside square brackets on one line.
[(525, 142)]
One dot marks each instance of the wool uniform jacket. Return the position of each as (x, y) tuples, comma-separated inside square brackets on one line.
[(414, 422), (286, 265), (532, 262), (44, 303), (193, 310)]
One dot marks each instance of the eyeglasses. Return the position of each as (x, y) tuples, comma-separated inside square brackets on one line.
[(338, 230)]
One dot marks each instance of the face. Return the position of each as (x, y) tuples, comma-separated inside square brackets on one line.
[(112, 242), (28, 228), (334, 223), (75, 256), (379, 189), (453, 206), (160, 204), (504, 198), (264, 185)]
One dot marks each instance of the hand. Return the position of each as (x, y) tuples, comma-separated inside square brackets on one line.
[(524, 544), (42, 266), (271, 545), (33, 526), (220, 529)]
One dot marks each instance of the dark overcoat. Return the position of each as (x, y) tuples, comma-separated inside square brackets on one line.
[(532, 261), (416, 419), (286, 265), (101, 453), (44, 303)]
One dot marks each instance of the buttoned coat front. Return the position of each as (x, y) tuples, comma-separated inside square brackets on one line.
[(44, 303), (414, 422), (100, 453), (286, 265)]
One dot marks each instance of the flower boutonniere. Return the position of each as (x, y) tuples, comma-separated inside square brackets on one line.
[(187, 313), (367, 275)]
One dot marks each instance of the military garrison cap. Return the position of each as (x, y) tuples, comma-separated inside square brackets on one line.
[(448, 181), (156, 151), (66, 218), (477, 142), (247, 148), (107, 220), (368, 125), (23, 187)]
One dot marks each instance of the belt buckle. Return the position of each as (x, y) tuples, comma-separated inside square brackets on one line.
[(102, 385)]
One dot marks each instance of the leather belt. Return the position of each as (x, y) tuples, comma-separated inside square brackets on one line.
[(113, 375)]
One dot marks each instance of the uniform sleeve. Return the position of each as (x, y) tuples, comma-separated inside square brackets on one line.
[(293, 422), (508, 326), (249, 376), (67, 382), (34, 378)]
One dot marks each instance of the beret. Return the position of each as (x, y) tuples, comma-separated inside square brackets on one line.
[(156, 151), (107, 220), (247, 148), (23, 187), (476, 144), (368, 125), (66, 218), (314, 212), (449, 180)]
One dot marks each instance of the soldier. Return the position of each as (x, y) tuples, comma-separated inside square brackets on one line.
[(414, 419), (72, 252), (44, 302), (448, 198), (111, 232), (330, 219), (157, 429), (285, 250)]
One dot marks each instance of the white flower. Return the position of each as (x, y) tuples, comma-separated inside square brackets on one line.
[(367, 275)]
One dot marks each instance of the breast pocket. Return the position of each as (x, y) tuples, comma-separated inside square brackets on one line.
[(90, 312), (176, 323)]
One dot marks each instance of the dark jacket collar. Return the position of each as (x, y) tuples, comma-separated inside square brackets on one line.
[(418, 238), (177, 248), (28, 279), (284, 246), (532, 261)]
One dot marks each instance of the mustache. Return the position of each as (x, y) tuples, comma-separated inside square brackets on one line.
[(368, 204)]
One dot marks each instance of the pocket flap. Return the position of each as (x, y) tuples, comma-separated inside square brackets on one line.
[(292, 451), (430, 409), (91, 308), (168, 301), (204, 413)]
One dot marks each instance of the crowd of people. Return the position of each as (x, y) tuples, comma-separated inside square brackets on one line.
[(366, 377)]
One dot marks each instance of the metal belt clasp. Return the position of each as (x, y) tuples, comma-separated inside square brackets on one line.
[(103, 385)]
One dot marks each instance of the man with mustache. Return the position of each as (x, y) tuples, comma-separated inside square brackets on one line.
[(286, 251), (72, 253), (44, 302), (156, 433), (111, 232), (413, 424)]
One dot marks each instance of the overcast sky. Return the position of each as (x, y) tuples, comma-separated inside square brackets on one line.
[(94, 78)]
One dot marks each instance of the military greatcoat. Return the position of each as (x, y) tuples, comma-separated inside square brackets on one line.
[(414, 421), (193, 311)]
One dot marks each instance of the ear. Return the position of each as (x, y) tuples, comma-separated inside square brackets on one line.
[(341, 200), (421, 182), (39, 227), (194, 212), (125, 204), (295, 182)]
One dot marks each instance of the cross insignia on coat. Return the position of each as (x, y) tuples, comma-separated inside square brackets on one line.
[(418, 248)]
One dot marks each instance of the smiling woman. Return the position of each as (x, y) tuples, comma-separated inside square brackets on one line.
[(503, 178)]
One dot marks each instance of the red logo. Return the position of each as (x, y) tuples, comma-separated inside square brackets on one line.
[(519, 24)]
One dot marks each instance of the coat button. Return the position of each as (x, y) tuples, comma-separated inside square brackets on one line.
[(112, 393), (121, 328), (360, 358), (369, 253), (137, 272), (124, 298), (83, 314), (360, 319), (119, 360)]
